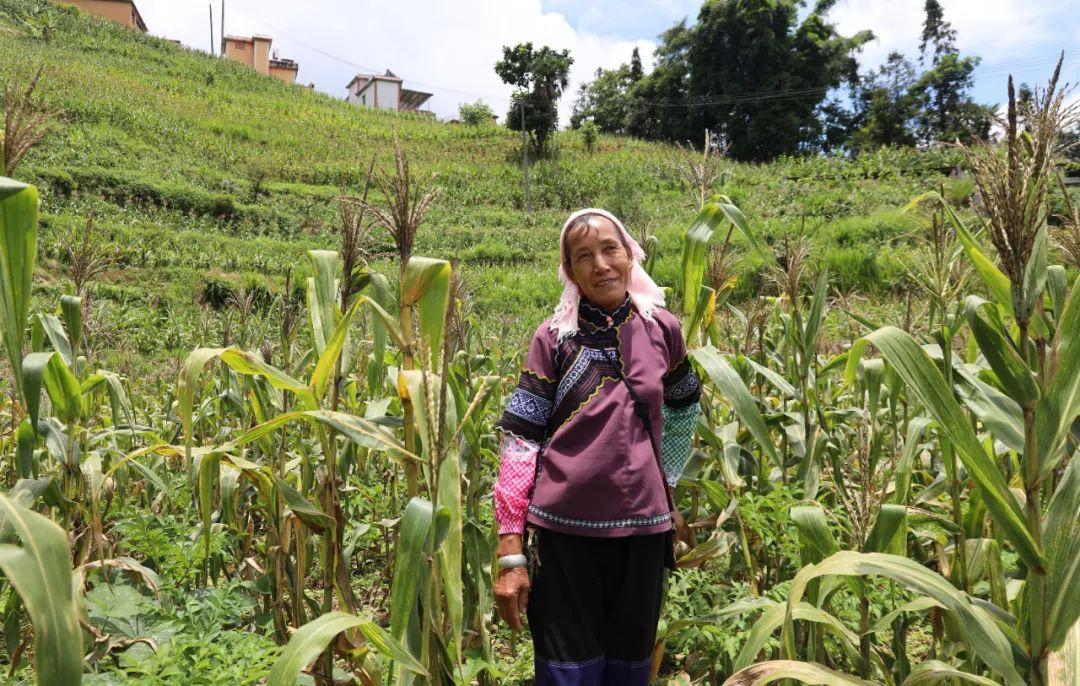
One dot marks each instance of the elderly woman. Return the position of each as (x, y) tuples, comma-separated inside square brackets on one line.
[(594, 439)]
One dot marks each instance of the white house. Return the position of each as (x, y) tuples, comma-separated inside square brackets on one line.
[(384, 91)]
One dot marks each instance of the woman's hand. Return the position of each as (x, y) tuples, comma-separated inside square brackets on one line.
[(682, 531), (512, 585)]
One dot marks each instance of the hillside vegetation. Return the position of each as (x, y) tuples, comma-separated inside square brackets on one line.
[(199, 171)]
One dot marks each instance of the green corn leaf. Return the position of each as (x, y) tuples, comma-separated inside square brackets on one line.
[(773, 618), (315, 519), (803, 672), (311, 639), (71, 310), (40, 571), (734, 392), (58, 338), (450, 552), (409, 569), (889, 532), (980, 631), (18, 251), (1060, 405), (925, 381), (208, 471), (695, 244), (1014, 374), (426, 286), (322, 296), (1062, 541), (324, 368), (190, 382), (816, 538), (812, 328), (934, 672), (1034, 277), (247, 363), (916, 605)]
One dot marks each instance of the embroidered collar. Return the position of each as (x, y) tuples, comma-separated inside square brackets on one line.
[(601, 320)]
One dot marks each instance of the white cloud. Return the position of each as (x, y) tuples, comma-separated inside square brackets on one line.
[(999, 31), (449, 49)]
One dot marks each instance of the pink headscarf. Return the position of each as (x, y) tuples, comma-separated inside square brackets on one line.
[(644, 292)]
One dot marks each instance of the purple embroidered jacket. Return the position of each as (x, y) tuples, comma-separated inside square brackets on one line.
[(598, 475)]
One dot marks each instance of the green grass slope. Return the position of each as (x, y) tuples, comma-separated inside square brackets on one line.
[(199, 171)]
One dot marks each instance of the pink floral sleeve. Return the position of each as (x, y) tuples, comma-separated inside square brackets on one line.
[(524, 429), (517, 467)]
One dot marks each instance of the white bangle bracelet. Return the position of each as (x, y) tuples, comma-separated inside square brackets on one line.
[(511, 561)]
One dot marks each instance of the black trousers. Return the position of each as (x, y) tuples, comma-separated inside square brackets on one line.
[(594, 606)]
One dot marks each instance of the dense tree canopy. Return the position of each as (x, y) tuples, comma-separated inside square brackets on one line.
[(541, 77), (750, 70)]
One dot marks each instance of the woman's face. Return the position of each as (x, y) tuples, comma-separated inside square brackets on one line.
[(599, 263)]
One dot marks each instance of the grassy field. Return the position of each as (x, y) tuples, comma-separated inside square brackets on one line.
[(197, 170)]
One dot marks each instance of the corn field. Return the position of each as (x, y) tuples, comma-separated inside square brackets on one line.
[(925, 471)]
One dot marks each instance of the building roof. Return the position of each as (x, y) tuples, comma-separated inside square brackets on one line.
[(284, 64), (412, 100)]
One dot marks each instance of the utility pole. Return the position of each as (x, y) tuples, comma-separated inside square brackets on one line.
[(222, 28), (525, 155), (210, 6)]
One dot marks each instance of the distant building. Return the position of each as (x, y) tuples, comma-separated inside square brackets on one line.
[(121, 11), (384, 91), (255, 53)]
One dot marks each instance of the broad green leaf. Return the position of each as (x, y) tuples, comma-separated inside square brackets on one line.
[(244, 362), (58, 338), (934, 672), (311, 639), (208, 471), (321, 296), (450, 551), (324, 368), (1062, 542), (925, 381), (410, 568), (981, 632), (817, 540), (1014, 374), (71, 310), (425, 285), (734, 391), (316, 520), (380, 299), (695, 245), (773, 618), (772, 377), (803, 672), (889, 534), (26, 442), (18, 251), (40, 571), (1060, 405), (1034, 277), (812, 327), (916, 605), (190, 382)]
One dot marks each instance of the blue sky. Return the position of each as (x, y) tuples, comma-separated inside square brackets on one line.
[(1022, 38), (450, 48)]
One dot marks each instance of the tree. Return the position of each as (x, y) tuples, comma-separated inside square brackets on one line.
[(475, 114), (604, 101), (636, 72), (750, 70), (886, 107), (937, 33), (541, 77)]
